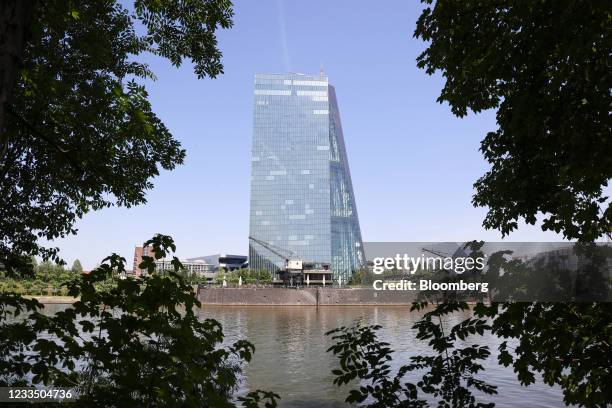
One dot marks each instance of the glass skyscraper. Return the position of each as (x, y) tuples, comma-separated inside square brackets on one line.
[(302, 201)]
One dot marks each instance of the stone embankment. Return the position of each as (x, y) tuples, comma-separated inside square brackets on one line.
[(313, 296)]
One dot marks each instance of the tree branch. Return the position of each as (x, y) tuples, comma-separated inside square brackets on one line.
[(50, 141), (15, 22)]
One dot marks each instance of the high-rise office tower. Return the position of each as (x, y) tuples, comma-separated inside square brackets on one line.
[(302, 201)]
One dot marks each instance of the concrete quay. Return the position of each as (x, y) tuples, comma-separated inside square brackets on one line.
[(313, 296)]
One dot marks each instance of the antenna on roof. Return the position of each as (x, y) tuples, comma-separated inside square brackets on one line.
[(321, 70)]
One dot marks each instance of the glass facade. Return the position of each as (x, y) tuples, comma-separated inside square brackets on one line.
[(302, 201)]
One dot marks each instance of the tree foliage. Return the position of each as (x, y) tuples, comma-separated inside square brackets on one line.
[(137, 343), (567, 344), (76, 266), (80, 133), (450, 374), (544, 67), (48, 279)]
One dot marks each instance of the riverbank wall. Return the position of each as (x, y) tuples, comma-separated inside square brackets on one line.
[(52, 300), (316, 296)]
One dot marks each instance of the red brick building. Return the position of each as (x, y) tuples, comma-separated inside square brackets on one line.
[(139, 252)]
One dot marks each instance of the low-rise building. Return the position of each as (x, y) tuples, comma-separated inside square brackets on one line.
[(223, 262), (204, 266), (193, 267), (197, 266)]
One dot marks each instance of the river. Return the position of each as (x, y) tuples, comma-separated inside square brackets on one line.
[(291, 360)]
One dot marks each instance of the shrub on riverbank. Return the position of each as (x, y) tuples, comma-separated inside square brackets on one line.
[(47, 285)]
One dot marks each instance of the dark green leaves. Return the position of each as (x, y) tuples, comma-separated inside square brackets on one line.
[(544, 66), (81, 134), (450, 372), (186, 28), (254, 399), (134, 343), (567, 344)]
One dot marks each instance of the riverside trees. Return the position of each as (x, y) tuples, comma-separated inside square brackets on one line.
[(544, 68)]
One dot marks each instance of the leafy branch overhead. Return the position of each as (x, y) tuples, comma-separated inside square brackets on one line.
[(77, 131), (544, 67), (180, 29)]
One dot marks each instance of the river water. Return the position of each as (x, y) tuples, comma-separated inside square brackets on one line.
[(291, 360)]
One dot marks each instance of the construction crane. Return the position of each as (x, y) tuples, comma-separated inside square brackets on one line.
[(437, 253), (276, 250), (293, 272), (458, 252), (296, 270)]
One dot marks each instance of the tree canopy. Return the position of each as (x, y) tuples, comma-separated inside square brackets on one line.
[(544, 66), (76, 266), (77, 131)]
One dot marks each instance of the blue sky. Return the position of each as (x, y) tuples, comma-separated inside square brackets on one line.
[(413, 163)]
